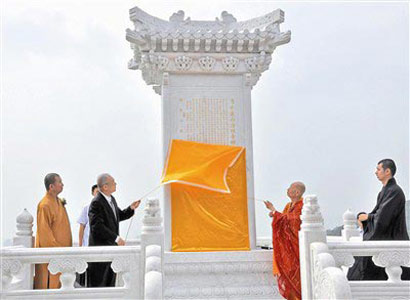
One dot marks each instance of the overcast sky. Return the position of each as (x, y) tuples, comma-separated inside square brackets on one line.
[(333, 103)]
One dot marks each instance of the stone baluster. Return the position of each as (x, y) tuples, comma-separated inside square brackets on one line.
[(152, 233), (68, 267), (349, 225), (24, 237), (392, 261), (312, 230), (153, 273), (127, 268)]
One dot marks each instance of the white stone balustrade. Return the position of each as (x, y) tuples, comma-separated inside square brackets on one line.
[(387, 254), (125, 262), (322, 260)]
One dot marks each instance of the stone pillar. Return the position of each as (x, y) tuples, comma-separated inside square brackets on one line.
[(312, 230), (205, 71), (349, 225), (24, 237), (152, 234)]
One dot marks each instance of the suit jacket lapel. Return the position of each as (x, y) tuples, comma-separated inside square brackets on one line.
[(108, 207)]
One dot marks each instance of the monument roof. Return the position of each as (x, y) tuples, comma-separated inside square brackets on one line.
[(253, 35)]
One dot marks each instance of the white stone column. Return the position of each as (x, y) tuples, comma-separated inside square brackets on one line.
[(24, 237), (312, 230)]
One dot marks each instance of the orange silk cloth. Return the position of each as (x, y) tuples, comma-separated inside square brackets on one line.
[(53, 230), (209, 206), (286, 265)]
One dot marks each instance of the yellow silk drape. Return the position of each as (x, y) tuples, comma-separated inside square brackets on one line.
[(209, 208)]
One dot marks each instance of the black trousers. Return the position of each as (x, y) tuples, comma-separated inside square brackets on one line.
[(100, 274)]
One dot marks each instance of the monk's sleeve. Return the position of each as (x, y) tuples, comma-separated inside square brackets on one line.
[(378, 222), (289, 221), (97, 225), (44, 232)]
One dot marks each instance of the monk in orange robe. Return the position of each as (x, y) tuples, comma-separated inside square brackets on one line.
[(285, 228), (53, 229)]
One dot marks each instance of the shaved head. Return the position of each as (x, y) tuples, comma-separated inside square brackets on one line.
[(300, 186)]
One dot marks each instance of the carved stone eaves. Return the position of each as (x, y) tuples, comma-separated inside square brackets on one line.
[(153, 65)]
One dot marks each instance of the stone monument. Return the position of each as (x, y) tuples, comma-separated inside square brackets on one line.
[(204, 72)]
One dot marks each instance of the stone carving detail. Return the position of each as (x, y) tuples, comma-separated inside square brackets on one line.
[(311, 215), (24, 224), (183, 62), (67, 265), (225, 267), (230, 63), (343, 259), (9, 267), (226, 18), (178, 17), (392, 262), (392, 259), (258, 63), (235, 279), (206, 63), (123, 264)]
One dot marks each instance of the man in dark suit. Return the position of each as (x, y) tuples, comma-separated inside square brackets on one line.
[(104, 217), (387, 221)]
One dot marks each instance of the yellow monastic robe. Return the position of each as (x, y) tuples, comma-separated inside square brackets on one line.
[(53, 230)]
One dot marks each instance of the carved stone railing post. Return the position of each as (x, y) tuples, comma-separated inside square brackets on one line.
[(312, 230), (349, 225), (68, 267), (24, 237), (153, 273), (152, 234)]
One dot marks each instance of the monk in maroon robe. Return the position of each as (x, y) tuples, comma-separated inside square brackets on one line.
[(285, 239)]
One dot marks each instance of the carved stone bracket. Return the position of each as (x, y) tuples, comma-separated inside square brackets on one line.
[(183, 62), (206, 63), (392, 261), (68, 267), (230, 63), (343, 259)]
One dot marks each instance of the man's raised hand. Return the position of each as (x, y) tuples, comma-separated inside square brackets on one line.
[(135, 204)]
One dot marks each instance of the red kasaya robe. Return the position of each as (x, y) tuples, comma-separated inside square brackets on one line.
[(286, 266)]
